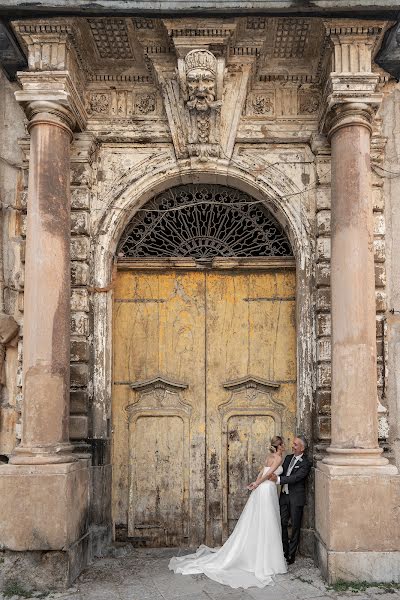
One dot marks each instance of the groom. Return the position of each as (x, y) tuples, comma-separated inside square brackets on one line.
[(292, 499)]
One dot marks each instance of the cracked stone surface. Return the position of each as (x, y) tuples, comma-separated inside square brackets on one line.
[(141, 574)]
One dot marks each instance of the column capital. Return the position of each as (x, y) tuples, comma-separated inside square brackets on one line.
[(348, 113), (57, 71), (51, 113), (54, 93), (350, 78)]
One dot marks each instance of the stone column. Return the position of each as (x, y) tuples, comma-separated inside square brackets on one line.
[(354, 424), (45, 437), (357, 493)]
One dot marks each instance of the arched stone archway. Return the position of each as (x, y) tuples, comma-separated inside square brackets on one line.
[(133, 192)]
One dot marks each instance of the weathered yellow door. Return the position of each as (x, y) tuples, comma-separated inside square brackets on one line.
[(204, 375)]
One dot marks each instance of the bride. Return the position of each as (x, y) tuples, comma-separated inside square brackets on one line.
[(253, 553)]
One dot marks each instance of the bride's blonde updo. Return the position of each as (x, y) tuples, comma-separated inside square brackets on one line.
[(276, 441)]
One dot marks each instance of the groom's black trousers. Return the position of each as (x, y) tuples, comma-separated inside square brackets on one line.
[(289, 511)]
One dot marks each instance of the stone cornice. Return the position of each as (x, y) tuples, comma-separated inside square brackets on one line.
[(120, 7)]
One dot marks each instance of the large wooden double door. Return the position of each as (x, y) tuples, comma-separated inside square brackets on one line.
[(204, 374)]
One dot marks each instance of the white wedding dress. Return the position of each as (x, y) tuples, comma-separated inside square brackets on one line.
[(252, 554)]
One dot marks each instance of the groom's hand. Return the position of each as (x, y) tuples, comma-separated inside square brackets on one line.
[(273, 477)]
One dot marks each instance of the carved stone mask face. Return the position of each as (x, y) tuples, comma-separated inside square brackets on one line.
[(201, 88)]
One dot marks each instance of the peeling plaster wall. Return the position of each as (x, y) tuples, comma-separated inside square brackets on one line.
[(390, 113), (12, 179)]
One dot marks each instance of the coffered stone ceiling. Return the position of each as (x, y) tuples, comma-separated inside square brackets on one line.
[(285, 48)]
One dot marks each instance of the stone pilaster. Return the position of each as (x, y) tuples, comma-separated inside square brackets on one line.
[(354, 468)]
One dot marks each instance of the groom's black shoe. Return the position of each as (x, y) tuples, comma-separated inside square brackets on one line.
[(291, 559)]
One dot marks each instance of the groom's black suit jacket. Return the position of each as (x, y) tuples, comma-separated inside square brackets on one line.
[(296, 480)]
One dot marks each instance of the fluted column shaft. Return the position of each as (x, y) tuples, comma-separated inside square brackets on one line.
[(45, 435)]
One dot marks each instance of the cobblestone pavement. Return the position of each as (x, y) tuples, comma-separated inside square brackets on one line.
[(142, 574)]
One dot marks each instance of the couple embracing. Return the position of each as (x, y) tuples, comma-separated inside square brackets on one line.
[(259, 547)]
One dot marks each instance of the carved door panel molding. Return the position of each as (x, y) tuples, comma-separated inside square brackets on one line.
[(250, 417), (158, 504)]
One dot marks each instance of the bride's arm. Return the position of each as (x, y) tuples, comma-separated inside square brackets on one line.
[(255, 483), (277, 461)]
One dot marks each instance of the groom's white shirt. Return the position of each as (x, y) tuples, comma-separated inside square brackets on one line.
[(285, 488)]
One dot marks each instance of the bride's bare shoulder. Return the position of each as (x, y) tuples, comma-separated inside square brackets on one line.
[(273, 459)]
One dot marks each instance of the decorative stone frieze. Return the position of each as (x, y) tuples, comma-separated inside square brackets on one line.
[(83, 155)]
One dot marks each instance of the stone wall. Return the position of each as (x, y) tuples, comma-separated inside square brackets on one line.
[(12, 185), (390, 113)]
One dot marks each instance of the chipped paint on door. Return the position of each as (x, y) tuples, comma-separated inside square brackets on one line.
[(204, 375)]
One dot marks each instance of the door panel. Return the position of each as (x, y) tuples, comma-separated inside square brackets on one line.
[(159, 332), (250, 337), (204, 375), (157, 484)]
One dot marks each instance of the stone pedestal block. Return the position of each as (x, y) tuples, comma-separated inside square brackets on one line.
[(45, 511), (356, 514)]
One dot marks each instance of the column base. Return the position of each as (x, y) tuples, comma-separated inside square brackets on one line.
[(374, 567), (40, 571), (356, 512), (45, 514), (355, 457), (43, 455)]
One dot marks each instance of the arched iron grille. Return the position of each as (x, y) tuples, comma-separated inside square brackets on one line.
[(203, 221)]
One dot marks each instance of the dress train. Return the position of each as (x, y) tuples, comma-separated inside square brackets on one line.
[(252, 554)]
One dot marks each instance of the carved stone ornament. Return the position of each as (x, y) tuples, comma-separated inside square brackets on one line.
[(145, 104), (99, 103), (200, 72), (155, 394), (262, 105), (309, 103)]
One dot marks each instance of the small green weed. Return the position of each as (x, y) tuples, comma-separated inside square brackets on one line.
[(361, 586), (14, 588)]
